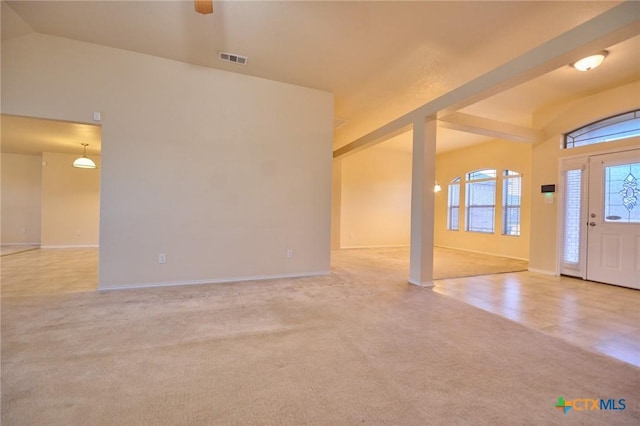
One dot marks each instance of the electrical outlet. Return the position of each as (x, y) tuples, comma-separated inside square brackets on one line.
[(290, 253), (162, 258)]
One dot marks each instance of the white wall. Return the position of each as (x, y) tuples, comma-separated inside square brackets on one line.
[(556, 121), (222, 172), (21, 195), (70, 202), (376, 198), (336, 201)]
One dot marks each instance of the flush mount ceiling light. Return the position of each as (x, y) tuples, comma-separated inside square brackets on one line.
[(84, 162), (590, 62)]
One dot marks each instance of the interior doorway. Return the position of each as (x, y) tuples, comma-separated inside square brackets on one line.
[(49, 204)]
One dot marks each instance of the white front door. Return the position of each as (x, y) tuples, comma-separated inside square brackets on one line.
[(613, 237)]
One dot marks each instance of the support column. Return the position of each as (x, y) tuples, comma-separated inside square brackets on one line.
[(423, 177)]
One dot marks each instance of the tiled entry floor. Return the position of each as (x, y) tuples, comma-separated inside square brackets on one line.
[(598, 317)]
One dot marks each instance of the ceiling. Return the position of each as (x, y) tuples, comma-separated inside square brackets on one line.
[(380, 59), (32, 136)]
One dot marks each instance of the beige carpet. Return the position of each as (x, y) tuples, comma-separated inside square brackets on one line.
[(447, 263), (76, 269), (357, 347)]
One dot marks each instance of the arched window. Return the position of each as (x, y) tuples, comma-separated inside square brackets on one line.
[(481, 200), (511, 194), (453, 205), (621, 126)]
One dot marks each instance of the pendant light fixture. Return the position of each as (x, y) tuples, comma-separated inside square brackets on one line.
[(84, 162)]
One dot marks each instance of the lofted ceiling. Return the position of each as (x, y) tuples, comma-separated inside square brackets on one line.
[(380, 59)]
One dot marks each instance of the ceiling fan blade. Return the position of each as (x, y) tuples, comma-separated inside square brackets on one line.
[(204, 6)]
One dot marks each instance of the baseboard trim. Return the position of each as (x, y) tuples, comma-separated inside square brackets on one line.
[(483, 252), (71, 246), (542, 271), (19, 244), (426, 284), (373, 247), (212, 281)]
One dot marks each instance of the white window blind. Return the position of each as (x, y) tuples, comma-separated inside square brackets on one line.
[(480, 198), (453, 205), (572, 213), (511, 195)]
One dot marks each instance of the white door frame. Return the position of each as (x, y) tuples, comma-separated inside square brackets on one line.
[(572, 162), (620, 234), (579, 162)]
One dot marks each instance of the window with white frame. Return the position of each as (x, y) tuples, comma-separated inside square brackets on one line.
[(453, 205), (480, 200), (572, 216), (573, 220), (621, 126), (511, 195)]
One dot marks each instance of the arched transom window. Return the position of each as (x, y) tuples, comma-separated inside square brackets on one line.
[(621, 126)]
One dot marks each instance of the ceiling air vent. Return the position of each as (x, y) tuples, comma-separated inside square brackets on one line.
[(232, 57)]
